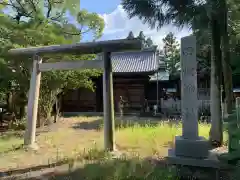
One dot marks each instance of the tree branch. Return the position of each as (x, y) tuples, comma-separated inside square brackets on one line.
[(33, 6), (22, 8), (49, 9), (8, 4), (79, 33), (73, 34), (57, 17)]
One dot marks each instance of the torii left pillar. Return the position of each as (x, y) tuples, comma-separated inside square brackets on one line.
[(109, 126), (32, 109)]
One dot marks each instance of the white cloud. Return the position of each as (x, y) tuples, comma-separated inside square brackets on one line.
[(118, 25)]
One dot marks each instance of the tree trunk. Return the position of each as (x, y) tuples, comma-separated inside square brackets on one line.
[(10, 102), (226, 65), (57, 110), (21, 102), (216, 133), (22, 112)]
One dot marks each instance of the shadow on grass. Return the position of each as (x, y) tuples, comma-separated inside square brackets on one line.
[(11, 141), (89, 125), (98, 165), (118, 169), (132, 169), (11, 134), (120, 123), (12, 149), (124, 169)]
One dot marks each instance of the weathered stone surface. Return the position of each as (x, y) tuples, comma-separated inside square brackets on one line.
[(210, 161), (189, 90), (189, 145), (197, 148), (31, 147)]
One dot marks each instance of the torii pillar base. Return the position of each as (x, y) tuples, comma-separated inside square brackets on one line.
[(31, 147)]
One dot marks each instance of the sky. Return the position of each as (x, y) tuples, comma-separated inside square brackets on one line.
[(118, 25)]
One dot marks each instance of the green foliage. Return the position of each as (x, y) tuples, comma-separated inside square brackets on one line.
[(235, 62), (147, 42), (195, 15), (157, 13), (37, 30), (172, 53), (2, 4), (92, 22), (124, 168), (42, 10), (18, 125), (198, 15)]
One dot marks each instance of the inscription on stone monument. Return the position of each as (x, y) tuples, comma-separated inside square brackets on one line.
[(188, 71), (189, 88), (189, 145), (188, 51)]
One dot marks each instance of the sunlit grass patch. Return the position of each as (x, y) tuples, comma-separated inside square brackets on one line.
[(118, 169), (155, 139), (78, 135), (10, 141)]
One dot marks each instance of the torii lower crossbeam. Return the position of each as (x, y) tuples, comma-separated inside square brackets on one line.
[(81, 48)]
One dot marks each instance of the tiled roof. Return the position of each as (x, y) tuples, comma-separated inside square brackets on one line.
[(133, 61)]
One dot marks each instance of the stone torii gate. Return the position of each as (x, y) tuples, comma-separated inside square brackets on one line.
[(80, 48)]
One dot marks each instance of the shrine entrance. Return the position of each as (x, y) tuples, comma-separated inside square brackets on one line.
[(105, 47)]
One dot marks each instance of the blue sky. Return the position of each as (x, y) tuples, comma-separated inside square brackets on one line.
[(118, 24), (103, 6)]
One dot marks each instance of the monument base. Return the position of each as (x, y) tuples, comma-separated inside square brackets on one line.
[(198, 148), (192, 168), (210, 162)]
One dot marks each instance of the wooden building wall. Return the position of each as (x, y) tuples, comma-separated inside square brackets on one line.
[(83, 99), (132, 90), (131, 87)]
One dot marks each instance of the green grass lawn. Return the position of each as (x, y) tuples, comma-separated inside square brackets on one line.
[(10, 141), (83, 137)]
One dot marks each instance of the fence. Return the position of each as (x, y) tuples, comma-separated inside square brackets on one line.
[(172, 106)]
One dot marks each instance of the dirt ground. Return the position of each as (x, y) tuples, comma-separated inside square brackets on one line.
[(55, 142), (71, 136)]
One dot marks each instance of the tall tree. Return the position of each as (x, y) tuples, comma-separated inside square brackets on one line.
[(160, 12), (228, 34), (32, 33), (172, 53), (149, 42), (216, 135), (141, 36), (226, 63), (41, 10)]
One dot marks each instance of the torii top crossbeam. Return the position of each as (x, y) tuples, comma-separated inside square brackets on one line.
[(80, 48)]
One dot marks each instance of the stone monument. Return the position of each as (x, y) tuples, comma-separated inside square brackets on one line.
[(190, 144)]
